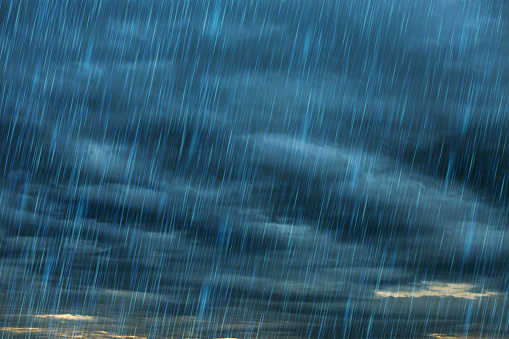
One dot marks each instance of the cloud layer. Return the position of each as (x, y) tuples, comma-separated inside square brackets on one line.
[(210, 169)]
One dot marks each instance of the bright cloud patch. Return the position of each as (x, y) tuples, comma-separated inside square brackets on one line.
[(438, 290), (75, 317)]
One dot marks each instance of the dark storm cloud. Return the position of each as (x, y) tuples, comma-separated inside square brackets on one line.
[(235, 162)]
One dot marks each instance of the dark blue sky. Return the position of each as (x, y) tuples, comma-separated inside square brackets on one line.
[(254, 169)]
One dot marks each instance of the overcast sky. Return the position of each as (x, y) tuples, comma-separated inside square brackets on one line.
[(254, 169)]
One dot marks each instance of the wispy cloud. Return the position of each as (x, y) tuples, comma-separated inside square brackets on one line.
[(21, 330), (447, 336), (104, 334), (65, 333), (441, 336)]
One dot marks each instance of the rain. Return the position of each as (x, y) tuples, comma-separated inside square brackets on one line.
[(254, 169)]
